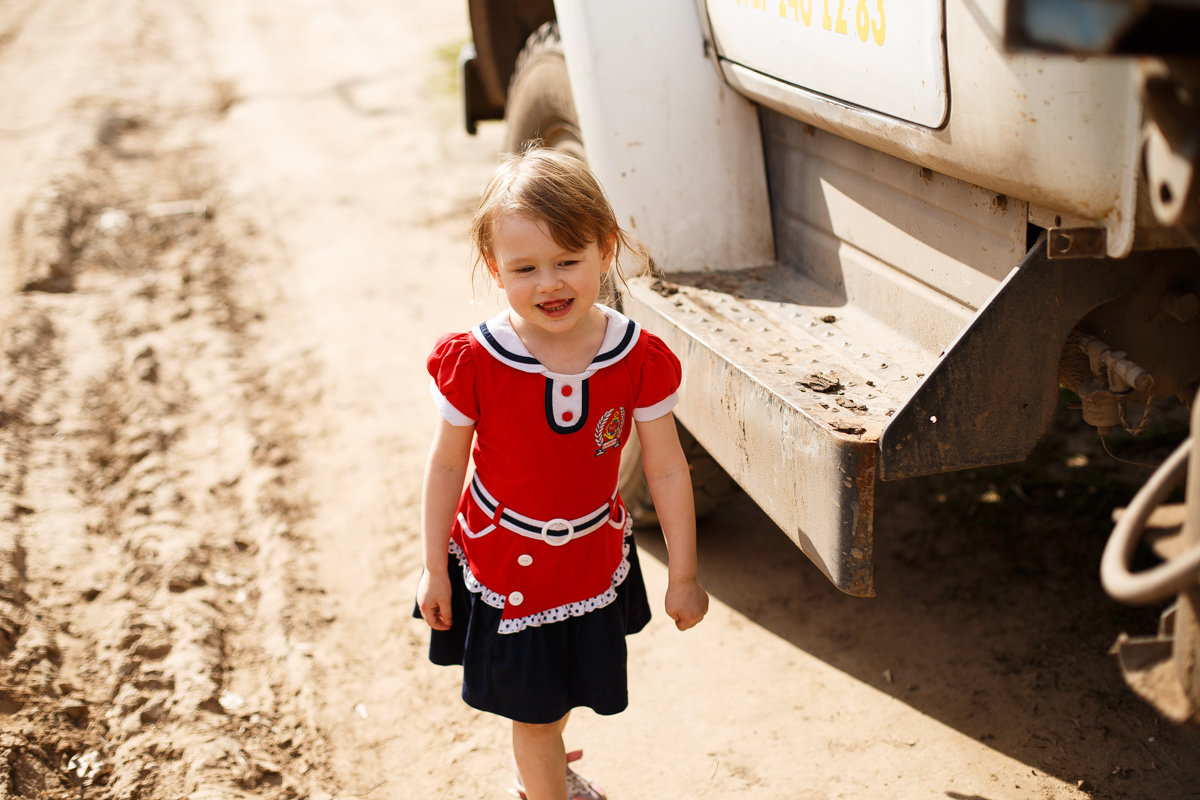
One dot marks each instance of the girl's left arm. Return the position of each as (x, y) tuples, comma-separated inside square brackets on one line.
[(670, 483)]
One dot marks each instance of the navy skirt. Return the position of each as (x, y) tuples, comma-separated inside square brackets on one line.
[(539, 674)]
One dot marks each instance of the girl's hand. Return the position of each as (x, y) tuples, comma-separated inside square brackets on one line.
[(687, 603), (433, 598)]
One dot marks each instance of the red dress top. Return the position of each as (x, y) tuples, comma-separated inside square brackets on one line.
[(540, 528)]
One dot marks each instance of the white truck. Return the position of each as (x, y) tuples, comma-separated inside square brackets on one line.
[(885, 232)]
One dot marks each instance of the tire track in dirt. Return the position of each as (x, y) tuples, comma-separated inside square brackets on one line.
[(148, 570)]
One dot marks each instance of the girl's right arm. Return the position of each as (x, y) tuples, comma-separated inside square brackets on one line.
[(445, 474)]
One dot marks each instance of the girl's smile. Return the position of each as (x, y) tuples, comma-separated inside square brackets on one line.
[(556, 308)]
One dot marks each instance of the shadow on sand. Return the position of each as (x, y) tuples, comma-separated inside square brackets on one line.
[(989, 617)]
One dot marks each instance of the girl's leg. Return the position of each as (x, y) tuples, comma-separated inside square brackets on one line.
[(541, 759)]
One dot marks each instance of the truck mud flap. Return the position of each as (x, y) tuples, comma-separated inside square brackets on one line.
[(990, 397)]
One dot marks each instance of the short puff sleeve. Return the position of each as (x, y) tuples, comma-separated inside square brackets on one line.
[(452, 368), (661, 374)]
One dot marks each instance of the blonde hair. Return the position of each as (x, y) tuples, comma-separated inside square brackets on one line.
[(556, 188)]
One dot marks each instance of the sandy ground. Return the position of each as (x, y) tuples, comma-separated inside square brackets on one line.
[(232, 230)]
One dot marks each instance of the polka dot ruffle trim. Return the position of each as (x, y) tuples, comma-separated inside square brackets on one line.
[(552, 615)]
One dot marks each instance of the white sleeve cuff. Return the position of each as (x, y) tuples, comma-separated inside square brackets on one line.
[(449, 412), (657, 410)]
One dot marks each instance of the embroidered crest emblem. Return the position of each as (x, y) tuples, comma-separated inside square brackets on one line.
[(608, 430)]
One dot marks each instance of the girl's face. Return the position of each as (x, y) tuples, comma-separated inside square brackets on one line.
[(549, 288)]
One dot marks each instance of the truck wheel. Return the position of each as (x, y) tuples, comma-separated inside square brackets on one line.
[(711, 485), (540, 104)]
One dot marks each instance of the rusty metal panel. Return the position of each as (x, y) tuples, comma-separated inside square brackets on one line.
[(807, 461), (819, 486)]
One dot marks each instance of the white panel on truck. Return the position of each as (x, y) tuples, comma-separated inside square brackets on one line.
[(886, 57), (677, 150)]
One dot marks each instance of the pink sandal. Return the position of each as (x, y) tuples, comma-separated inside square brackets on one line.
[(578, 787)]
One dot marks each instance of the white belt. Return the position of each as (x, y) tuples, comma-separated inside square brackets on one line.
[(557, 531)]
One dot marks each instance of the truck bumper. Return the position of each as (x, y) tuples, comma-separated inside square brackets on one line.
[(810, 468)]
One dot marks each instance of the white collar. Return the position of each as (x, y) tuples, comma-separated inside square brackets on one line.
[(500, 339)]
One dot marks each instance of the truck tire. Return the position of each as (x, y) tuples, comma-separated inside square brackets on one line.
[(540, 104), (541, 107)]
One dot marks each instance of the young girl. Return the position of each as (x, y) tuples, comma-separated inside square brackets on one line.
[(531, 578)]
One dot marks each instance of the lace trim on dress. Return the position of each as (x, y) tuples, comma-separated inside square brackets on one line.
[(557, 614), (493, 599)]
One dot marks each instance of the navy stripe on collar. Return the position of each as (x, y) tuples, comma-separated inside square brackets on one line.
[(501, 341), (622, 347), (499, 348)]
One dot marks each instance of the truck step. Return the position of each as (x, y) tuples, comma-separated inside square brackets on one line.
[(832, 362)]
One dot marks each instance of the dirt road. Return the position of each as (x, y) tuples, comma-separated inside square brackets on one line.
[(231, 233)]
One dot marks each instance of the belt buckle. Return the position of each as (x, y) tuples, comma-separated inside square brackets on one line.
[(562, 525)]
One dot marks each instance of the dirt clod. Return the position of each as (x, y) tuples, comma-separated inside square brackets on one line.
[(824, 382)]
